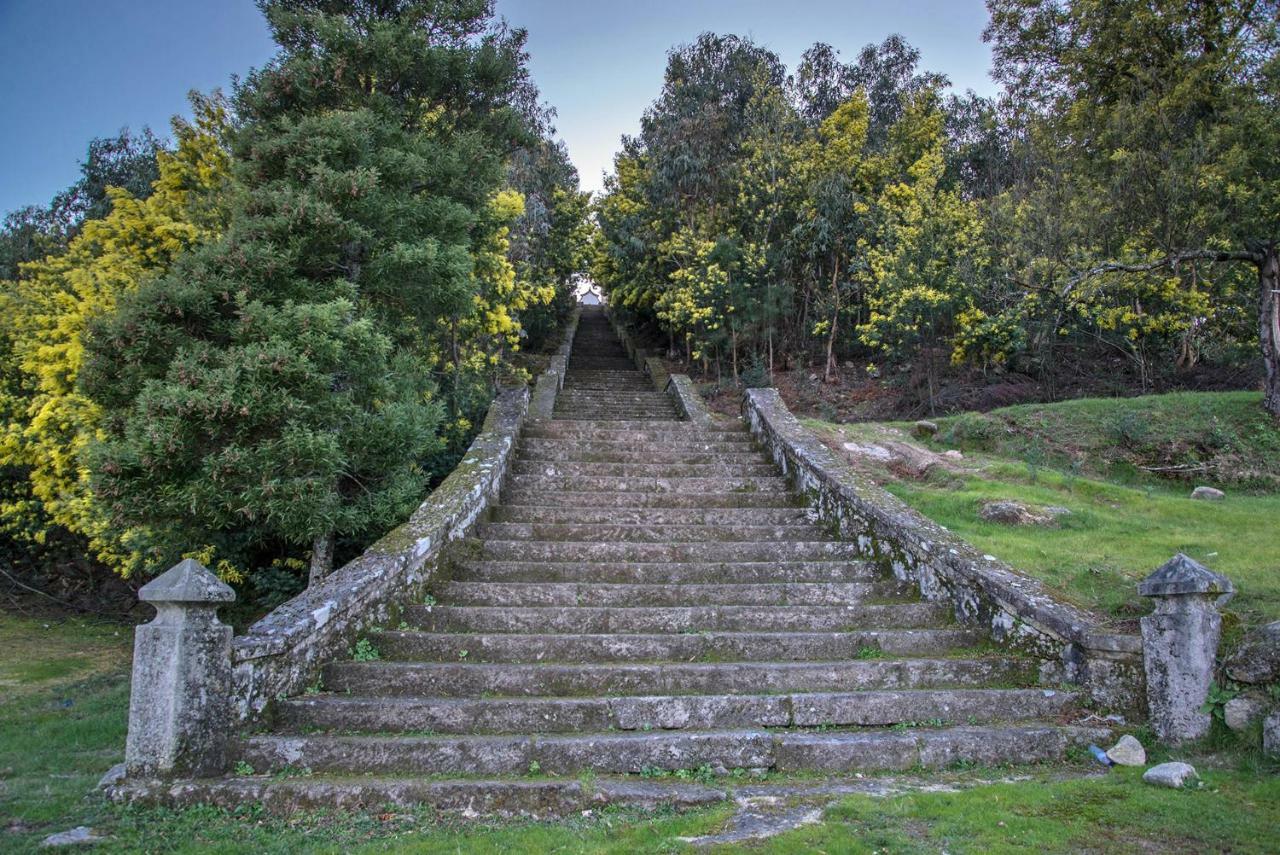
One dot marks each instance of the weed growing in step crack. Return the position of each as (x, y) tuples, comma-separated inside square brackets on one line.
[(364, 651)]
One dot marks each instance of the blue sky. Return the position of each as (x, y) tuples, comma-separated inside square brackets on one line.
[(75, 69)]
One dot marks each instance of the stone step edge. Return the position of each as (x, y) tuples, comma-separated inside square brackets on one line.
[(468, 798), (851, 711), (635, 752)]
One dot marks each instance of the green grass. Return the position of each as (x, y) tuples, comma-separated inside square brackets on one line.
[(60, 730), (1233, 812), (1222, 438), (1124, 521)]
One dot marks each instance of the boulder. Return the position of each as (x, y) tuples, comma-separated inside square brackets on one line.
[(925, 429), (1257, 660), (1128, 752), (1271, 735), (1208, 494), (1240, 713), (953, 454), (111, 777), (1172, 775), (1012, 513), (81, 835)]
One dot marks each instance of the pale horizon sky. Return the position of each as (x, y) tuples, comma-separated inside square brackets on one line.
[(76, 69)]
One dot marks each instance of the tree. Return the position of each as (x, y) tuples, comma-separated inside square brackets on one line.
[(48, 423), (1163, 119), (280, 388)]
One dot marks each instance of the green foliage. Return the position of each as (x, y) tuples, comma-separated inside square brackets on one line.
[(1101, 206), (48, 423), (364, 651), (1215, 703), (306, 376)]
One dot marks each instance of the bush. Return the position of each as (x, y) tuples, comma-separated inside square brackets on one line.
[(973, 431)]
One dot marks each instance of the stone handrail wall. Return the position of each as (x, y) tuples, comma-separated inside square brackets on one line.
[(1072, 643), (551, 381), (689, 402), (282, 653)]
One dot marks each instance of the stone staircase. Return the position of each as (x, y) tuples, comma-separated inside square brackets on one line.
[(650, 597)]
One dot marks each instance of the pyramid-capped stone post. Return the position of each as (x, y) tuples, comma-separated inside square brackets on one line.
[(179, 708), (1180, 644)]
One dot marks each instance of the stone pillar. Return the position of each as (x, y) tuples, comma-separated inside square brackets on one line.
[(1179, 646), (180, 705)]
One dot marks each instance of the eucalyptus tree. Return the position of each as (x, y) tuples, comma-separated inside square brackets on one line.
[(1155, 191)]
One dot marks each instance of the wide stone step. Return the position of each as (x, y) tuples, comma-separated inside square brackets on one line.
[(573, 454), (597, 533), (636, 752), (685, 647), (665, 572), (601, 417), (691, 444), (630, 416), (600, 594), (614, 396), (876, 708), (650, 516), (635, 484), (598, 499), (471, 680), (668, 619), (609, 381), (552, 468), (507, 798), (676, 431), (722, 551), (609, 360)]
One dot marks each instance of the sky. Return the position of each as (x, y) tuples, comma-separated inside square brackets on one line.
[(72, 70)]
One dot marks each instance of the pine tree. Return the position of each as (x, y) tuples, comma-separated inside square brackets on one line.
[(276, 391)]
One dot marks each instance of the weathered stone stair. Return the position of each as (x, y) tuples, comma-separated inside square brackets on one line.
[(650, 596)]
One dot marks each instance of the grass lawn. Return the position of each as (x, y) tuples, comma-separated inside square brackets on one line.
[(1124, 521), (62, 723)]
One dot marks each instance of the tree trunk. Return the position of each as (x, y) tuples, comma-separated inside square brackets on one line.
[(1269, 327), (835, 322), (321, 558)]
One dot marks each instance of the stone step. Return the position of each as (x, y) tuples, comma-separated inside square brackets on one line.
[(690, 499), (629, 416), (722, 551), (650, 516), (874, 708), (646, 433), (597, 533), (584, 379), (636, 752), (617, 484), (663, 647), (664, 572), (668, 619), (470, 679), (507, 798), (582, 409), (571, 454), (604, 594), (692, 444), (553, 468), (614, 396)]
